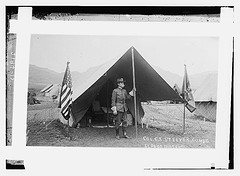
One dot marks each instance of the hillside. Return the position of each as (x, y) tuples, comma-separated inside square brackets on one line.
[(169, 77), (40, 77), (197, 80)]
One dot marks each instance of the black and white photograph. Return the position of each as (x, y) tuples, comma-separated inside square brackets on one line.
[(100, 87), (85, 91)]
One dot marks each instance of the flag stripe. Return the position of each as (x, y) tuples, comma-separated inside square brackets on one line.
[(63, 95), (66, 115), (65, 112), (66, 105), (66, 92), (64, 88), (66, 96)]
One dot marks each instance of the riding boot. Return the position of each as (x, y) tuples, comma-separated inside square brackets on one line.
[(125, 133), (117, 133)]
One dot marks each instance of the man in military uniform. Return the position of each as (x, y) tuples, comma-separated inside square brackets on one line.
[(119, 107)]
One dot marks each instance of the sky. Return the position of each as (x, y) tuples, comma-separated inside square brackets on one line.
[(200, 54)]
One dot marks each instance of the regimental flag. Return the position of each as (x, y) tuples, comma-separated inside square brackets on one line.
[(66, 94), (187, 93)]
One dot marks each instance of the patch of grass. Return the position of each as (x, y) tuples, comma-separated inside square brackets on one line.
[(165, 123)]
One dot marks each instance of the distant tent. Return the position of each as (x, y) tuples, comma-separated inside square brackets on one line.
[(99, 85), (51, 90), (206, 98)]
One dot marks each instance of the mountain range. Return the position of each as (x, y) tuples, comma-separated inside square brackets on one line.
[(40, 77)]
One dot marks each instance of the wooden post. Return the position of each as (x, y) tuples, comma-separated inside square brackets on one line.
[(134, 92)]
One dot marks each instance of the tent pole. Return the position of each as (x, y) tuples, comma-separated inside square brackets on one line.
[(68, 128), (184, 117), (134, 92)]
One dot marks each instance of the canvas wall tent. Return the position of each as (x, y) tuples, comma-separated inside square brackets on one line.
[(99, 85), (51, 90), (206, 98)]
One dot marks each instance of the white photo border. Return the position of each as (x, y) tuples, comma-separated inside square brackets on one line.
[(167, 158)]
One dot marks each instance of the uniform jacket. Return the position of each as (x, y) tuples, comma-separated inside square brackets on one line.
[(118, 99)]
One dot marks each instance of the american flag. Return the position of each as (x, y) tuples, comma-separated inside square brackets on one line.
[(187, 93), (66, 93)]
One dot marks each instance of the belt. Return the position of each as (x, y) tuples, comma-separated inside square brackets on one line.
[(122, 102)]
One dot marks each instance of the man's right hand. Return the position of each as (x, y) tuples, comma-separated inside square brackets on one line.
[(114, 109)]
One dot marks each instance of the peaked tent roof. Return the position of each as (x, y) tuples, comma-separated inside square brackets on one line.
[(208, 89), (149, 84)]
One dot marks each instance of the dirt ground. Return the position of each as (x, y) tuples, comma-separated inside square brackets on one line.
[(162, 129)]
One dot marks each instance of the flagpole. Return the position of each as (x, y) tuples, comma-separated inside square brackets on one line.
[(69, 108), (187, 96), (134, 92), (184, 117), (184, 113)]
